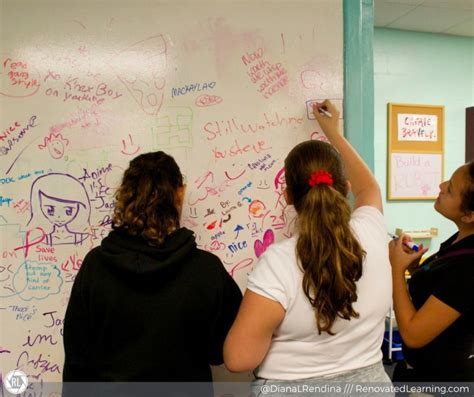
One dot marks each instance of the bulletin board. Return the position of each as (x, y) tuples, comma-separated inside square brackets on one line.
[(224, 86), (415, 151)]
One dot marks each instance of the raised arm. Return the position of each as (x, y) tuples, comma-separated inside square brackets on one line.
[(363, 184)]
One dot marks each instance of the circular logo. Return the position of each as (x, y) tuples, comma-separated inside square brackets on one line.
[(16, 382)]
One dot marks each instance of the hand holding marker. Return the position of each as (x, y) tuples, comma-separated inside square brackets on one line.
[(409, 244), (323, 110)]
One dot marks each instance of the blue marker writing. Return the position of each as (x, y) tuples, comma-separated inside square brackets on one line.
[(409, 244)]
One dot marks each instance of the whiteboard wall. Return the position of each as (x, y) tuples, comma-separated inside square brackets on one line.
[(223, 86)]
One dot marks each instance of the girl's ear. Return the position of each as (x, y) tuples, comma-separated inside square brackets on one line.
[(349, 186), (468, 217)]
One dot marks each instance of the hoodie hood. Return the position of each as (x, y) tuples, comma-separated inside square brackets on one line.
[(134, 254)]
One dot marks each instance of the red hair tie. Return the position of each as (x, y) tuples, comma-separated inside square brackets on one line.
[(318, 177)]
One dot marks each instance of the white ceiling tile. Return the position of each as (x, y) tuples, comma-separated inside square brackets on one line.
[(444, 16), (386, 13), (458, 4), (462, 29), (429, 19)]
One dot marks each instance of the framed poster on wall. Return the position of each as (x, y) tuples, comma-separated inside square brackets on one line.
[(415, 151)]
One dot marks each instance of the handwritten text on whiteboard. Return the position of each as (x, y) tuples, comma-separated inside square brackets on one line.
[(415, 175), (418, 127)]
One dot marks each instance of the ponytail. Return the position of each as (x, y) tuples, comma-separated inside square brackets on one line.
[(329, 254)]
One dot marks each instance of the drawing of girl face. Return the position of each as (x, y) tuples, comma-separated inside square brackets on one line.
[(58, 212), (56, 149)]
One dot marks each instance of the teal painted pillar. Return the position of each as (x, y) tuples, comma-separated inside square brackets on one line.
[(359, 77)]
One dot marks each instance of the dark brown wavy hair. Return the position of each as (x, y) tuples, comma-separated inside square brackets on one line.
[(467, 203), (329, 254), (146, 200)]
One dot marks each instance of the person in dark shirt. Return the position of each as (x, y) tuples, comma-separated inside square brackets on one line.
[(147, 304), (436, 316)]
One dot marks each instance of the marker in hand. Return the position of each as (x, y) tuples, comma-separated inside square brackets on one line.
[(409, 244), (323, 111)]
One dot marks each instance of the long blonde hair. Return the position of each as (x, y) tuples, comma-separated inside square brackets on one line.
[(329, 254)]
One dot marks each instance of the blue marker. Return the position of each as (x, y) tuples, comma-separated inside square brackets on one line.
[(409, 244)]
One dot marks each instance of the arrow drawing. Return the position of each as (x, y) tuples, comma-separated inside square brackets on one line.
[(237, 229)]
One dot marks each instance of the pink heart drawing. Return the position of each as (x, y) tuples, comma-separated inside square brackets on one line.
[(268, 239)]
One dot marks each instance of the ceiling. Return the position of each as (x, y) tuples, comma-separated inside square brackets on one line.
[(436, 16)]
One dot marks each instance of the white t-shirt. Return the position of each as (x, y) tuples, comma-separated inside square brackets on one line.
[(297, 351)]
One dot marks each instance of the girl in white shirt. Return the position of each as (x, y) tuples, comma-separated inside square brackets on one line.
[(315, 304)]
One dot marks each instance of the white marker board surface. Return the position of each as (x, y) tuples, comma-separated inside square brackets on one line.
[(85, 86)]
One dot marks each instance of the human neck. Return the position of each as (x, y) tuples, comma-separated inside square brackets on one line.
[(464, 232)]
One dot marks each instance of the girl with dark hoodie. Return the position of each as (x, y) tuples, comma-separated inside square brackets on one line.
[(147, 304)]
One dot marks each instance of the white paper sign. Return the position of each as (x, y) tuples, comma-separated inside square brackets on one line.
[(418, 127), (415, 175)]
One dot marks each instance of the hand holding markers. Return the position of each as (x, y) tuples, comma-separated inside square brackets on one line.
[(404, 254), (407, 243)]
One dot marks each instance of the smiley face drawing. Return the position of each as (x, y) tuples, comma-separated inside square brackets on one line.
[(56, 145)]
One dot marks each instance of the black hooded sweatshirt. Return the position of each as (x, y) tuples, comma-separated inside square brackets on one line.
[(142, 313)]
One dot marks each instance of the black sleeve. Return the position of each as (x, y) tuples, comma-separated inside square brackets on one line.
[(454, 284), (229, 304), (76, 331)]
